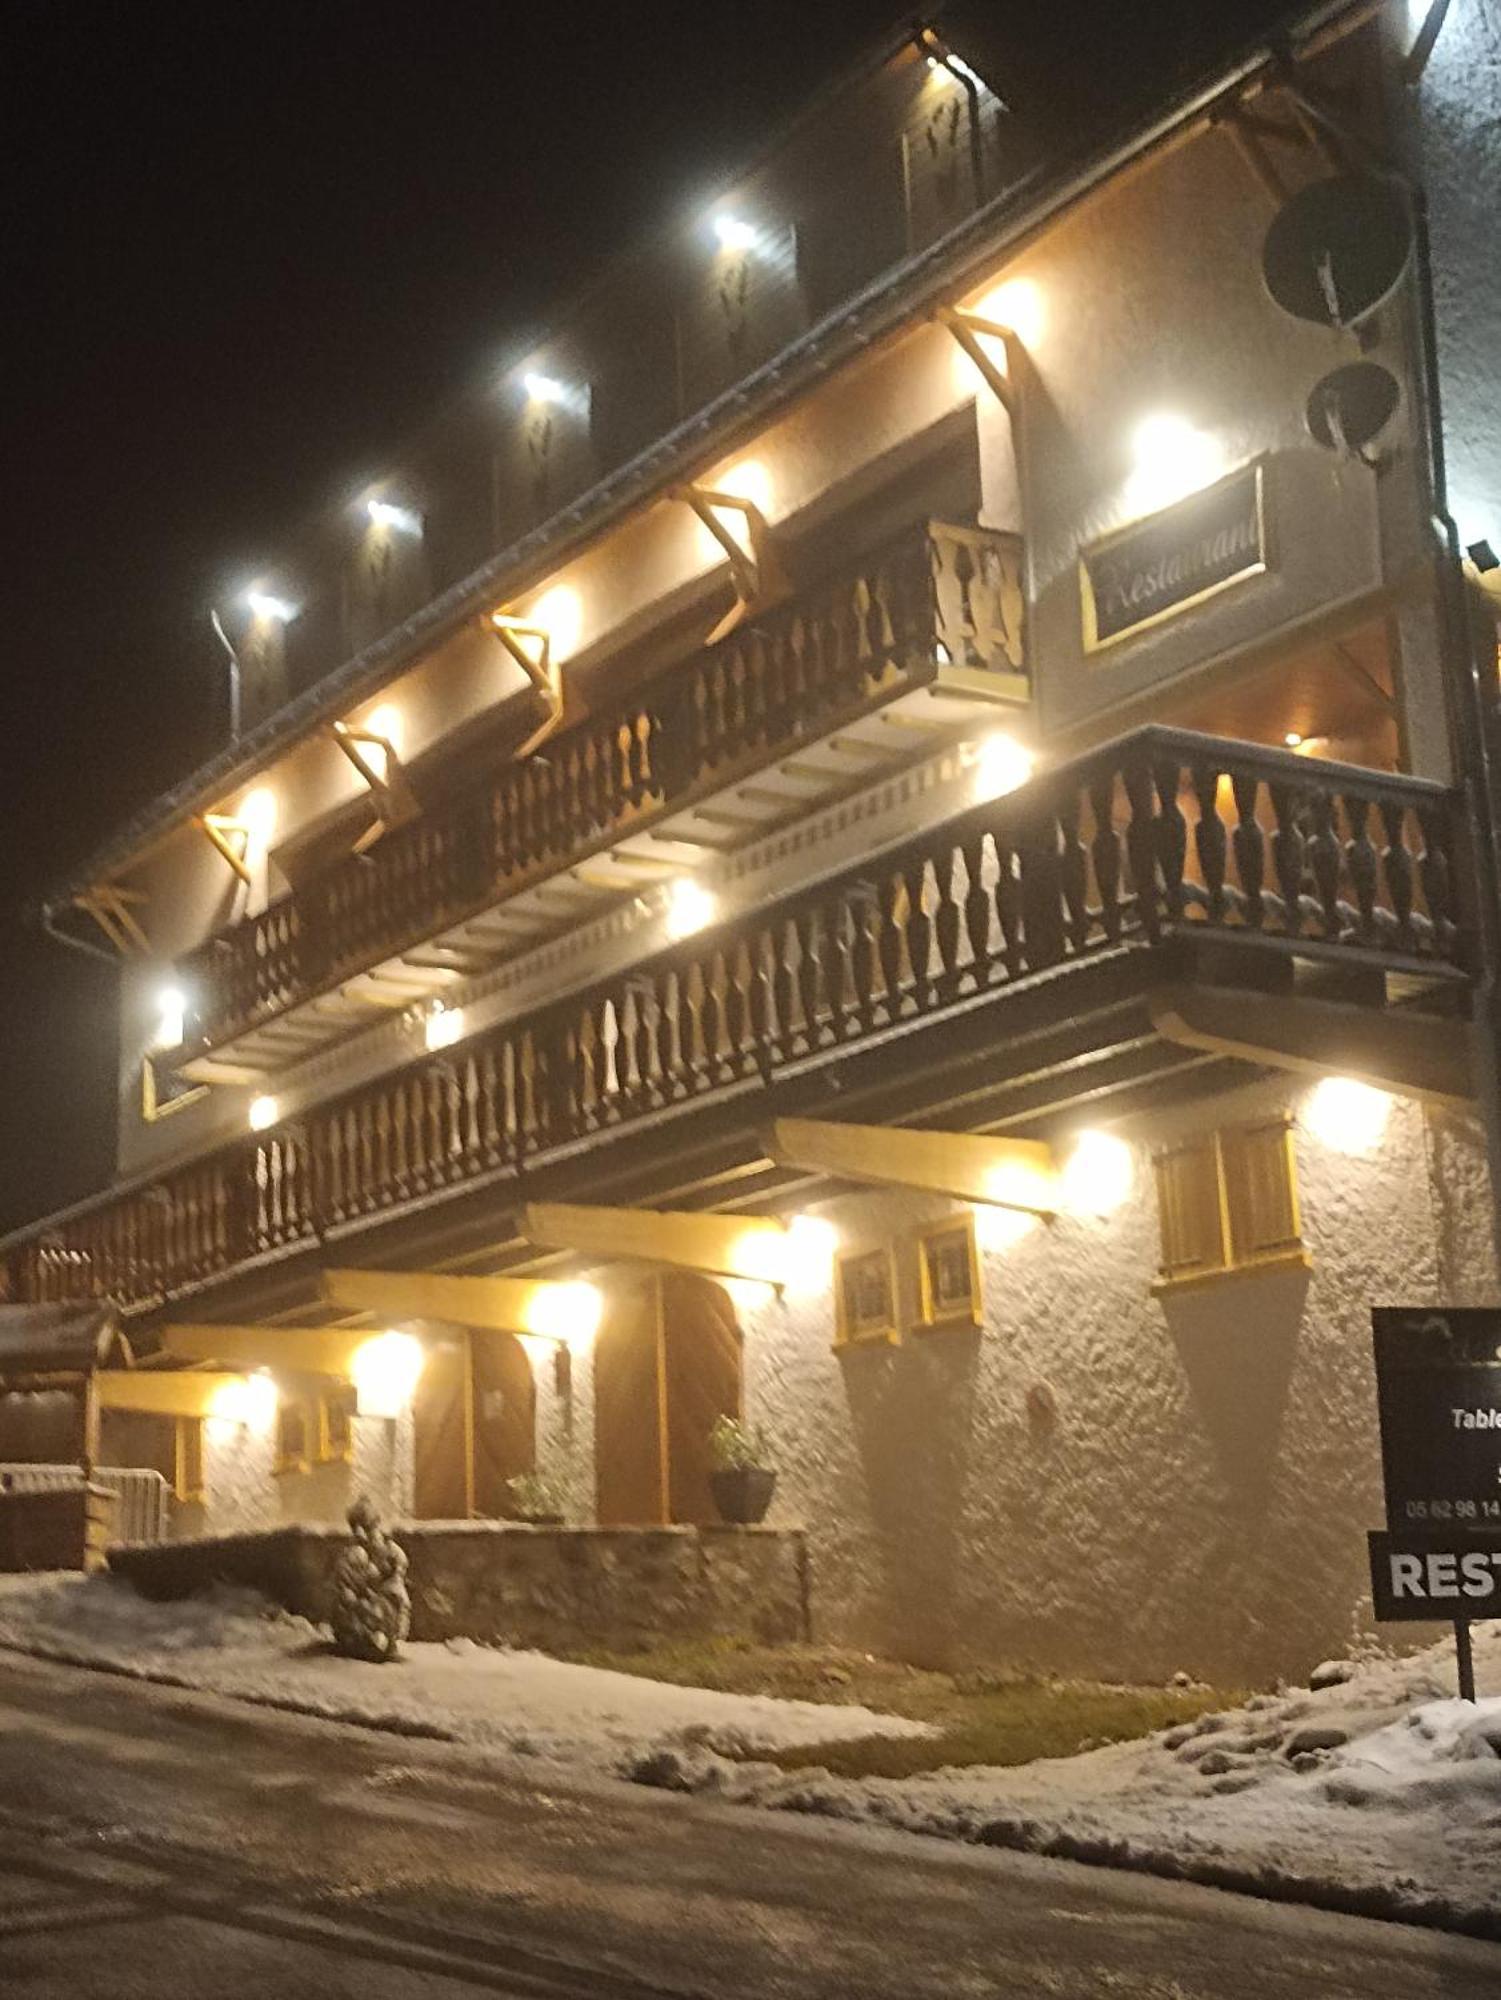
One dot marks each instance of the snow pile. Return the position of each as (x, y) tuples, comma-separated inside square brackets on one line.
[(1379, 1794), (232, 1642)]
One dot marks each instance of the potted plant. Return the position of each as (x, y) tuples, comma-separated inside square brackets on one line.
[(742, 1479), (536, 1499)]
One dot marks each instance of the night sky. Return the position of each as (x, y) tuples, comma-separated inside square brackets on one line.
[(246, 251)]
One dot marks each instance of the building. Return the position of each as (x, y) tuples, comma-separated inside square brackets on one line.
[(893, 836)]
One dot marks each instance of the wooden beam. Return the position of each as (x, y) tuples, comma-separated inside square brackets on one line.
[(970, 1166), (501, 1305), (723, 1246), (309, 1350), (190, 1393), (1415, 1055)]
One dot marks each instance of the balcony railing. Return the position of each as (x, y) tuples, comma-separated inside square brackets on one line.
[(940, 600), (1160, 836)]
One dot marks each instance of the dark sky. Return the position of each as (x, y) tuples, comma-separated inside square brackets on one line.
[(246, 250)]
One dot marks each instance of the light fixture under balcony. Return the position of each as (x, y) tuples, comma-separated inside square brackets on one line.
[(442, 1026), (397, 519), (543, 388), (264, 1112), (1098, 1174), (1346, 1115), (267, 609), (734, 234), (690, 907), (386, 1369), (998, 765), (1172, 459), (171, 1018)]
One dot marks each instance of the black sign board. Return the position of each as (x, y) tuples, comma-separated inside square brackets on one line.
[(1173, 559), (1438, 1386), (1435, 1575)]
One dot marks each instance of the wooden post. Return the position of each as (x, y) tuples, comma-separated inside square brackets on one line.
[(1465, 1656)]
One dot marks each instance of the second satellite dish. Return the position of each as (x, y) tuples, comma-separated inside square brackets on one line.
[(1338, 250), (1351, 406)]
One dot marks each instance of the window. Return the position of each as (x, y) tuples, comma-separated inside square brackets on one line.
[(336, 1426), (949, 1273), (1228, 1202), (864, 1298), (292, 1436), (187, 1481)]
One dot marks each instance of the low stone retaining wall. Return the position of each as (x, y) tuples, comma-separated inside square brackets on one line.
[(522, 1586), (56, 1527)]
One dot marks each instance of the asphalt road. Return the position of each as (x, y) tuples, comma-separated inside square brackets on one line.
[(187, 1848)]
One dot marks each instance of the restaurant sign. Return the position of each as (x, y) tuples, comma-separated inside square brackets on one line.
[(1174, 559)]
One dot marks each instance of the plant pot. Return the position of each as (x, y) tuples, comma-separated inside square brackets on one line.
[(742, 1493)]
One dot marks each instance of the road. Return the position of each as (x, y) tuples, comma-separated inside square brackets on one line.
[(179, 1846)]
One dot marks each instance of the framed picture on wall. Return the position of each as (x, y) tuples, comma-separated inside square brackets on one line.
[(864, 1297), (948, 1273)]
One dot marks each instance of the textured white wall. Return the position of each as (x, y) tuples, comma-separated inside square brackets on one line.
[(243, 1490), (1198, 1499)]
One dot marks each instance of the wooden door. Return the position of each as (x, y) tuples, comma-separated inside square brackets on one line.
[(504, 1402), (701, 1344), (440, 1441)]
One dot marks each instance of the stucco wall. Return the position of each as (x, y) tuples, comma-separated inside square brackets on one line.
[(244, 1491), (1099, 1481)]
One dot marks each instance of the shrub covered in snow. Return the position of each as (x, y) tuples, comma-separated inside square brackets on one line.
[(372, 1611)]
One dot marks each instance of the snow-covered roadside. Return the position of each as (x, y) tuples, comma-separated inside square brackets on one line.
[(1380, 1795), (233, 1643)]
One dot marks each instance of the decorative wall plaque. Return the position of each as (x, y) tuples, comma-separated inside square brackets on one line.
[(1173, 560)]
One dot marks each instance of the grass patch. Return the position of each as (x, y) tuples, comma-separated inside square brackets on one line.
[(983, 1717)]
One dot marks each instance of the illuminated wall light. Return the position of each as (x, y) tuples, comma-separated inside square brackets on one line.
[(559, 612), (734, 234), (269, 610), (256, 812), (1172, 460), (951, 69), (543, 389), (999, 1228), (999, 765), (1098, 1174), (442, 1026), (808, 1259), (1347, 1116), (569, 1313), (1293, 740), (264, 1112), (749, 1295), (1016, 1185), (171, 1018), (1016, 304), (750, 480), (249, 1402), (387, 514), (690, 907), (385, 1371)]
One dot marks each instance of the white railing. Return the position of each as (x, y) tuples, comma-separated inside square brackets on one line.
[(142, 1499)]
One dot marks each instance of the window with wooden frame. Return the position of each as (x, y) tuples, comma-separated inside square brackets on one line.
[(864, 1298), (294, 1428), (187, 1480), (948, 1274), (336, 1410), (1228, 1202)]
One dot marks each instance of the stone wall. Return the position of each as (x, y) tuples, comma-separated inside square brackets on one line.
[(558, 1588)]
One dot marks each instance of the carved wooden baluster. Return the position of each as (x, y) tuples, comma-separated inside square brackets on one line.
[(811, 990), (761, 1003), (863, 953), (583, 1060), (711, 1015), (1141, 846), (799, 684), (1397, 868), (696, 1047), (1171, 831), (737, 1007), (978, 910), (1211, 843), (1248, 843), (627, 1075), (1105, 852), (669, 1032), (1324, 855), (1289, 850), (784, 993), (1038, 852), (1437, 875), (1073, 869), (895, 928)]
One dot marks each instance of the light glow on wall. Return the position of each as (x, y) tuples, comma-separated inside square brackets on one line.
[(543, 388), (690, 907), (171, 1018), (249, 1402), (569, 1313), (1172, 460), (386, 514), (734, 234), (1346, 1115), (750, 479), (998, 1229), (267, 609), (558, 612), (1016, 304), (999, 765), (264, 1112), (385, 1371), (1014, 1184), (1098, 1174), (442, 1026), (808, 1259), (256, 812)]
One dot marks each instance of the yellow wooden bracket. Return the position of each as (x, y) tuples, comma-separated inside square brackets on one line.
[(723, 1246), (113, 909), (969, 1166), (972, 330), (304, 1350), (230, 839), (395, 801), (530, 646), (756, 570), (501, 1305), (191, 1392)]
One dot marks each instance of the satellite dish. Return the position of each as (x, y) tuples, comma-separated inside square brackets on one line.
[(1350, 407), (1338, 250)]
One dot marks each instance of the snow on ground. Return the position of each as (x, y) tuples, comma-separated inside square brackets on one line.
[(1377, 1793), (232, 1642), (1380, 1794)]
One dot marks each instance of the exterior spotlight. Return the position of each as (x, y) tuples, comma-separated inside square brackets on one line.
[(1293, 740), (249, 1400), (809, 1255), (257, 814), (1173, 459), (268, 610), (1098, 1174), (1000, 765), (1347, 1116), (543, 389), (568, 1314), (386, 514), (264, 1112), (690, 907), (171, 1018), (734, 233), (443, 1026), (998, 1228), (386, 1369), (1017, 305)]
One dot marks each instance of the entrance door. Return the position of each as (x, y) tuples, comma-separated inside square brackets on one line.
[(666, 1364), (474, 1422), (440, 1442), (504, 1403)]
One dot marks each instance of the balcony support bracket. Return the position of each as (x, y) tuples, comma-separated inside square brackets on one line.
[(967, 1166), (972, 331), (230, 840), (530, 646), (719, 1246), (757, 574), (113, 907), (494, 1304), (390, 788)]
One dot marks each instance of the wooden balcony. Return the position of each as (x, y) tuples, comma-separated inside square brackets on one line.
[(923, 637), (1135, 863)]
